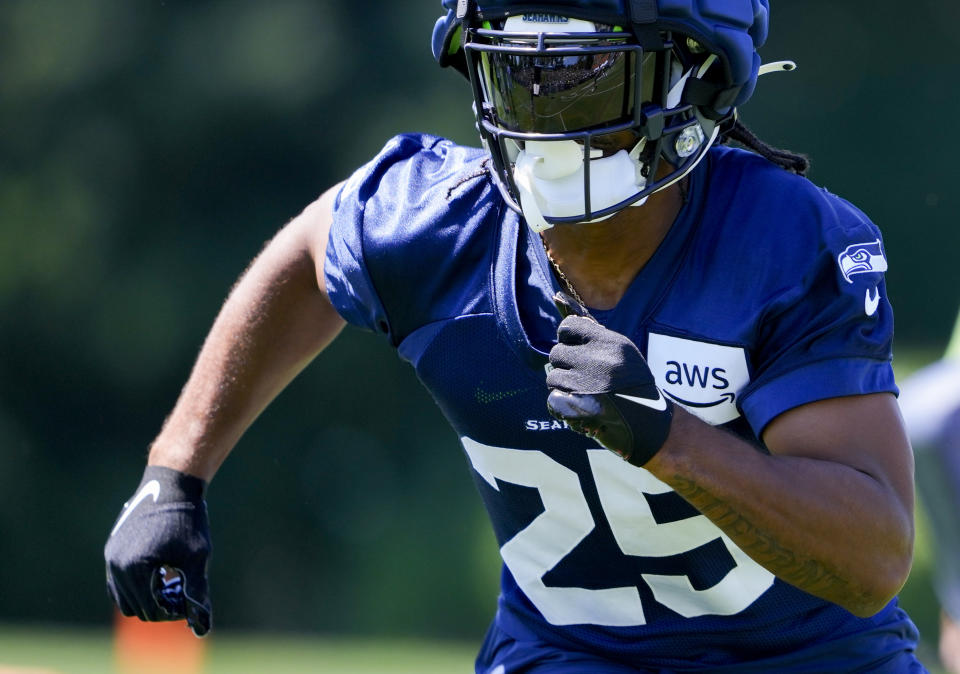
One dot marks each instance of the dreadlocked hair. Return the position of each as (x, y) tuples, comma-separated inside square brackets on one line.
[(785, 159)]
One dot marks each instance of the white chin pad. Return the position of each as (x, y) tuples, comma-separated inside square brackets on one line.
[(549, 176), (558, 159)]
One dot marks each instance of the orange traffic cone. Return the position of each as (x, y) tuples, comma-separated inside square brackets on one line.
[(156, 648)]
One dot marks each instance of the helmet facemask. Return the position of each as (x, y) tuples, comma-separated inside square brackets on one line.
[(580, 119)]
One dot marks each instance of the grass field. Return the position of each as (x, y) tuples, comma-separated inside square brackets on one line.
[(75, 651)]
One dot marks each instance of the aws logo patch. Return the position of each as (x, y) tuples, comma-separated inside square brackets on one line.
[(704, 378)]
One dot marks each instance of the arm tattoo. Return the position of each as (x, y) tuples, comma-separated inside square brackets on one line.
[(808, 574)]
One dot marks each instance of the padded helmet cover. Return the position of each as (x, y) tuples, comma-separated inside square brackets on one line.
[(732, 29)]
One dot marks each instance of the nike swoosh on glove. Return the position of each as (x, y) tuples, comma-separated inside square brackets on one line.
[(601, 386), (157, 553)]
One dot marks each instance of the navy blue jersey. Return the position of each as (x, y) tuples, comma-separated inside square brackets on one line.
[(767, 293)]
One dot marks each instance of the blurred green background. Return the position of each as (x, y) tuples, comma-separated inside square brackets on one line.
[(149, 148)]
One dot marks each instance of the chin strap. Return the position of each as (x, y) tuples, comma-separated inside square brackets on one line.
[(523, 177)]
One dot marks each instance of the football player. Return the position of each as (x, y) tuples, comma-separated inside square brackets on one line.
[(930, 401), (668, 360)]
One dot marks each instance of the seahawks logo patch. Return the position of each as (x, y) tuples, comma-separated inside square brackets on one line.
[(861, 258)]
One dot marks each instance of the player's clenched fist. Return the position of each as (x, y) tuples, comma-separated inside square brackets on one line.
[(601, 386), (158, 550)]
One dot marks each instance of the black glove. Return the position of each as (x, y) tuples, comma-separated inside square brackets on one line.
[(158, 550), (602, 387)]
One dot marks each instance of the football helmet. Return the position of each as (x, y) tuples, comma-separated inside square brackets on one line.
[(587, 107)]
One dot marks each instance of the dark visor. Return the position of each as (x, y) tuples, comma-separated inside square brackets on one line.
[(540, 93)]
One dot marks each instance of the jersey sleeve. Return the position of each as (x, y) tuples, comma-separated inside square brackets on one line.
[(349, 284), (827, 329), (410, 235)]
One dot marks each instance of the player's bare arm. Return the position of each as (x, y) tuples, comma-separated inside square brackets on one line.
[(275, 321), (830, 510)]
